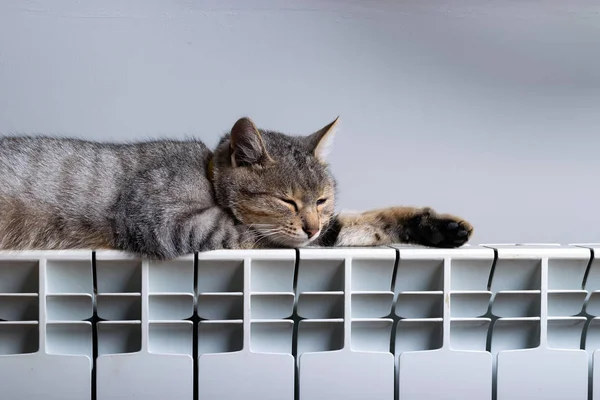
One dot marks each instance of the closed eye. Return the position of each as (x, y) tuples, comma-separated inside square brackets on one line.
[(290, 202), (321, 201)]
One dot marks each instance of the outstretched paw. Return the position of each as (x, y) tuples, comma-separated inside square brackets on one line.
[(440, 230)]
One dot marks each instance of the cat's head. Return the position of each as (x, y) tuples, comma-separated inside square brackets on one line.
[(277, 184)]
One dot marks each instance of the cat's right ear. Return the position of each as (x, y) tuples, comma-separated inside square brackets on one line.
[(246, 144), (320, 142)]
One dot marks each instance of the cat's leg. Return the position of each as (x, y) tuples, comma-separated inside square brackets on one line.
[(171, 234), (410, 225)]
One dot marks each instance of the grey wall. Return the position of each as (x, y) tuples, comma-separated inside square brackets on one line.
[(486, 109)]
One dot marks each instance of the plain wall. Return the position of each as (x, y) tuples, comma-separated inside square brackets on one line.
[(486, 109)]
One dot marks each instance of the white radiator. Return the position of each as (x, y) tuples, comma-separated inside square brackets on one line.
[(499, 322)]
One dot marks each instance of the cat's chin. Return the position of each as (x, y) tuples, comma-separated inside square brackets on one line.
[(288, 241)]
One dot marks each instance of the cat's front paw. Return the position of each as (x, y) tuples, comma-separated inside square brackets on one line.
[(440, 230)]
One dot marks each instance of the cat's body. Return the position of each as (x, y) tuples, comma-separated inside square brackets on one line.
[(166, 198)]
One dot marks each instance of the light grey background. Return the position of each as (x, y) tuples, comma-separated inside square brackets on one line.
[(487, 109)]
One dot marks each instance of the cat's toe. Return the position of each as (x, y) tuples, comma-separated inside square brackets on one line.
[(445, 231), (454, 233)]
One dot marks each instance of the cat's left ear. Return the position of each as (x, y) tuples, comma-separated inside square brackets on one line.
[(246, 144), (320, 142)]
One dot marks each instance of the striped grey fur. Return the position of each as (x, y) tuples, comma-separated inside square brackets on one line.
[(160, 199)]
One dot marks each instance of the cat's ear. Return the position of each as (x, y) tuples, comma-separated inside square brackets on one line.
[(320, 142), (246, 144)]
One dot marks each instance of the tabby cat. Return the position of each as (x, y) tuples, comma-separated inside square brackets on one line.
[(166, 198)]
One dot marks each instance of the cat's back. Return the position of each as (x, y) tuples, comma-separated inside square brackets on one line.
[(75, 176), (44, 166), (59, 165), (60, 192)]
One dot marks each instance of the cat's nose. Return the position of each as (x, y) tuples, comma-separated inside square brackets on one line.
[(310, 231)]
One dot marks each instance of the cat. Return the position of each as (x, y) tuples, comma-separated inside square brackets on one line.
[(163, 199)]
